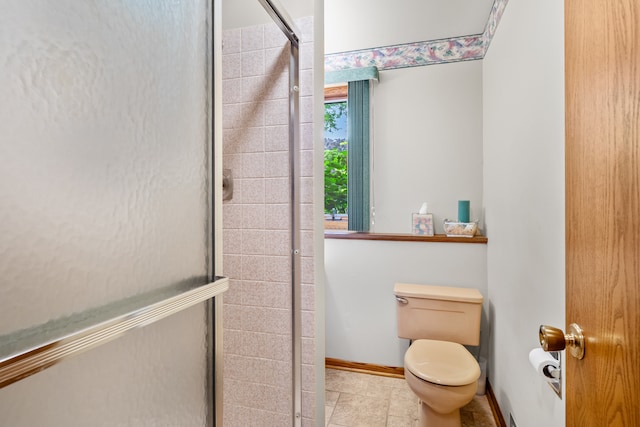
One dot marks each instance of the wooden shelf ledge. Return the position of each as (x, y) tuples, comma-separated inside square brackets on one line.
[(401, 237)]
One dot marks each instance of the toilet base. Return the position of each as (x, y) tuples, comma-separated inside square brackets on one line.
[(431, 418)]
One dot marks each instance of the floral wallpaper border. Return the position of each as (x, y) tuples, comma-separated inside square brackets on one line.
[(421, 53), (492, 23)]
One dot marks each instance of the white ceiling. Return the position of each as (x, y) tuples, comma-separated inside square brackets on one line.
[(376, 23)]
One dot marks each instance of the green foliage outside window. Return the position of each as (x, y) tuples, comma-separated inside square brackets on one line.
[(333, 110), (335, 180), (335, 162)]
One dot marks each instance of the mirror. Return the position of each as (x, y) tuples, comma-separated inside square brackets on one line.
[(426, 121)]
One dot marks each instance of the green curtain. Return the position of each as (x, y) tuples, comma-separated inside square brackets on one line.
[(358, 155)]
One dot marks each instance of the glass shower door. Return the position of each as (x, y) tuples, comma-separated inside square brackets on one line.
[(105, 152)]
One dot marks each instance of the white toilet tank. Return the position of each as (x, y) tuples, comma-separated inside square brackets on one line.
[(438, 313)]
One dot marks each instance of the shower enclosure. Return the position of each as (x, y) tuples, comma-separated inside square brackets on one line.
[(114, 135), (267, 217), (106, 213)]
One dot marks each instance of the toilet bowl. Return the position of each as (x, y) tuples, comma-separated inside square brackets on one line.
[(437, 367), (444, 376)]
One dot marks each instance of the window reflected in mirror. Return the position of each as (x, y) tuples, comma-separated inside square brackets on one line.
[(335, 158)]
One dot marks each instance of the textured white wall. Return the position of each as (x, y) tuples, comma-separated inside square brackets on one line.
[(361, 308), (427, 143), (524, 201), (103, 195)]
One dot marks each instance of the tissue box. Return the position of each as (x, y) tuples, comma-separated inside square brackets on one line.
[(460, 229), (422, 224)]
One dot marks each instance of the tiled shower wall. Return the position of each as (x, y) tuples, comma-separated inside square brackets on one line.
[(256, 227)]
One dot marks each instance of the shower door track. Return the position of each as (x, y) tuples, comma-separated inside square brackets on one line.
[(286, 24)]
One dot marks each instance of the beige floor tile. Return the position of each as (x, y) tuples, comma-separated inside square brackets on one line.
[(355, 399), (482, 404), (376, 386), (467, 419), (359, 411), (343, 381), (381, 381), (484, 419), (394, 421), (404, 404), (479, 403), (404, 392), (331, 397), (401, 383), (328, 410)]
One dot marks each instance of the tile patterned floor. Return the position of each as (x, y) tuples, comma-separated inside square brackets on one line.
[(361, 400)]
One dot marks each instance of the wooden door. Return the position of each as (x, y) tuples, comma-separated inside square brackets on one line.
[(602, 60)]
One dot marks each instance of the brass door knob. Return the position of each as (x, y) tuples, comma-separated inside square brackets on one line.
[(553, 339)]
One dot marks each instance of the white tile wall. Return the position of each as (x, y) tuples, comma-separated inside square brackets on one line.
[(257, 312)]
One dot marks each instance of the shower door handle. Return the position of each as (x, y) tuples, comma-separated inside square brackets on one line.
[(227, 185)]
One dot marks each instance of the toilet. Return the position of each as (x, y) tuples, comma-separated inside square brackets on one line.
[(440, 320)]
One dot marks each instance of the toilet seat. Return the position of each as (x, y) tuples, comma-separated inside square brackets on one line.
[(441, 362)]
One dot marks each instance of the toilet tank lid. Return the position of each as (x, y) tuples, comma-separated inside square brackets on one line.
[(449, 293)]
